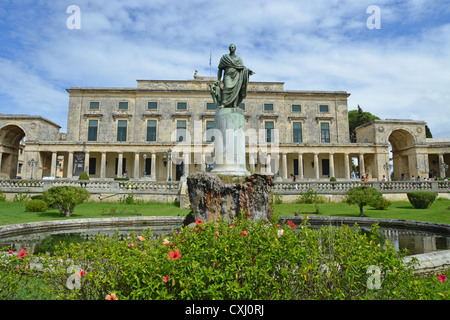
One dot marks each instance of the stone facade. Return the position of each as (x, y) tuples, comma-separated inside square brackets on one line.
[(136, 132)]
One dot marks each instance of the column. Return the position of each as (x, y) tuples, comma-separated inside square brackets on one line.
[(284, 171), (332, 165), (269, 164), (86, 162), (136, 165), (103, 166), (346, 166), (300, 166), (153, 167), (1, 156), (119, 165), (361, 165), (53, 165), (441, 170), (70, 165), (316, 165)]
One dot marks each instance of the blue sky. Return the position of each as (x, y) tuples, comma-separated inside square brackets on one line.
[(401, 71)]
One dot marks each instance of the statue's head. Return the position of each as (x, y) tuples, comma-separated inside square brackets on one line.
[(232, 47)]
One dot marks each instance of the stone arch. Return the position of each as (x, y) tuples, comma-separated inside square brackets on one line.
[(10, 137), (403, 143)]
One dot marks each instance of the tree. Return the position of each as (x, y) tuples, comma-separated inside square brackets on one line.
[(65, 198), (357, 118), (363, 196)]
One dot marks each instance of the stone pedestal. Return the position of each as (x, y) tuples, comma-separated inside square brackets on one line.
[(211, 198), (229, 142)]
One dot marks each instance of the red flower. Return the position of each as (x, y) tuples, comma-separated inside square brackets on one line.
[(174, 255), (24, 248), (442, 278), (166, 278), (81, 274), (22, 254), (199, 221), (10, 251), (244, 233), (291, 224)]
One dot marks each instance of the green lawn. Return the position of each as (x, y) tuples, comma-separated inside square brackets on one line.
[(14, 212), (438, 212)]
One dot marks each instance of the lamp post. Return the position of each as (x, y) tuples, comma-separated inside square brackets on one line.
[(32, 163), (145, 164)]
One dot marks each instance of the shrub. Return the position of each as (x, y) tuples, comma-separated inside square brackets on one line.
[(37, 197), (36, 206), (241, 259), (380, 203), (65, 198), (83, 176), (363, 196), (2, 196), (309, 197), (332, 179), (421, 199)]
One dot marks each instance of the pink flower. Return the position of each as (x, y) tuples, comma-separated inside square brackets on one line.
[(291, 224), (165, 241), (442, 278), (111, 296), (10, 251), (244, 233), (22, 254), (217, 233), (174, 255), (166, 278), (141, 238), (81, 274)]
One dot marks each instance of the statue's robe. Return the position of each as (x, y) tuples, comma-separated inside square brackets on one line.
[(235, 80)]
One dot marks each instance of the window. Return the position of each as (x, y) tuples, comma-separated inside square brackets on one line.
[(297, 132), (296, 108), (92, 165), (148, 166), (122, 130), (124, 165), (123, 105), (269, 126), (92, 130), (19, 170), (151, 130), (181, 106), (323, 108), (152, 105), (181, 130), (210, 106), (94, 105), (295, 167), (325, 167), (324, 132), (268, 106), (209, 134)]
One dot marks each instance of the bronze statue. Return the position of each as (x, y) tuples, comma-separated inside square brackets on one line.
[(235, 81)]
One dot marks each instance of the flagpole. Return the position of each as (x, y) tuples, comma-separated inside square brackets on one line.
[(210, 55)]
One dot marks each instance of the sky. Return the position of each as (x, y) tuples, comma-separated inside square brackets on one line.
[(393, 57)]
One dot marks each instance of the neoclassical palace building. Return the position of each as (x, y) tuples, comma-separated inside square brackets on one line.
[(136, 132)]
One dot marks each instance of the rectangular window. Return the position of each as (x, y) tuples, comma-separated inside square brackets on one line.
[(123, 105), (296, 108), (181, 130), (94, 105), (325, 167), (19, 170), (122, 130), (210, 106), (92, 130), (92, 165), (325, 132), (209, 134), (181, 106), (295, 167), (148, 166), (269, 126), (323, 108), (151, 130), (268, 106), (152, 105), (297, 132)]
